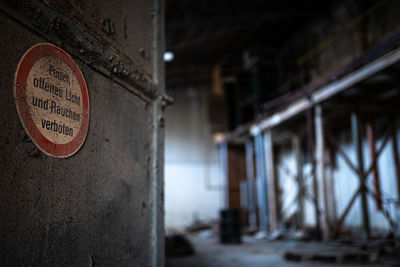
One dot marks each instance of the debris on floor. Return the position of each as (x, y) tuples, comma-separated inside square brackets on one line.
[(287, 253)]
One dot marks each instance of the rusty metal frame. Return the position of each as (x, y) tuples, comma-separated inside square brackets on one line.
[(325, 92), (385, 213), (306, 104), (357, 171), (375, 172)]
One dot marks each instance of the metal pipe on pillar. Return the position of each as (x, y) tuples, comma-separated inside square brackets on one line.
[(357, 140)]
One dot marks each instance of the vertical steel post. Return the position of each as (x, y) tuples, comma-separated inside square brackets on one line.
[(262, 191), (299, 169), (273, 196), (250, 183), (357, 139), (320, 171), (310, 134), (331, 191)]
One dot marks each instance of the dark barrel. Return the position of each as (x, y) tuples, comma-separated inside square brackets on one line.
[(229, 226)]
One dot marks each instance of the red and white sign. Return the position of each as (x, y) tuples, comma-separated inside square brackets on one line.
[(52, 100)]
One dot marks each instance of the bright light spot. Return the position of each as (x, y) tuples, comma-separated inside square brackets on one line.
[(168, 56)]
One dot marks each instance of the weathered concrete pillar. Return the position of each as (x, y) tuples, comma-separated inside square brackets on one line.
[(102, 205)]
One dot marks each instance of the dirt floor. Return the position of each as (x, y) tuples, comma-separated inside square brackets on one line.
[(256, 252)]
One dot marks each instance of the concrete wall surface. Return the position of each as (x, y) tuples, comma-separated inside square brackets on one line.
[(193, 176), (97, 207)]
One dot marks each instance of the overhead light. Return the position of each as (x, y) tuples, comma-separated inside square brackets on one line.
[(168, 56)]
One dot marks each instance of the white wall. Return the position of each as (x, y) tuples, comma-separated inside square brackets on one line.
[(191, 161), (287, 183)]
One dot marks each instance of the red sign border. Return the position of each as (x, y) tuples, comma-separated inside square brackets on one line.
[(30, 57)]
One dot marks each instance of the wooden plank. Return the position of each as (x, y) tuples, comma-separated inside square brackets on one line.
[(272, 181)]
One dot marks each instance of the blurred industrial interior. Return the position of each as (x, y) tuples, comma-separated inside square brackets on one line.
[(282, 143), (213, 133)]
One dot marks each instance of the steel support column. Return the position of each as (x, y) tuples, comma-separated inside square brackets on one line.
[(273, 195), (320, 172), (357, 139), (250, 184), (310, 134), (262, 192)]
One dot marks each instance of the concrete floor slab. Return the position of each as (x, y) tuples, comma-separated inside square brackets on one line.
[(253, 252)]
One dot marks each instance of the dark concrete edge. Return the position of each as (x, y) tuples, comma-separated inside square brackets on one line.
[(105, 59)]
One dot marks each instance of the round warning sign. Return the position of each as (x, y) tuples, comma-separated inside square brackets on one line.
[(52, 100)]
